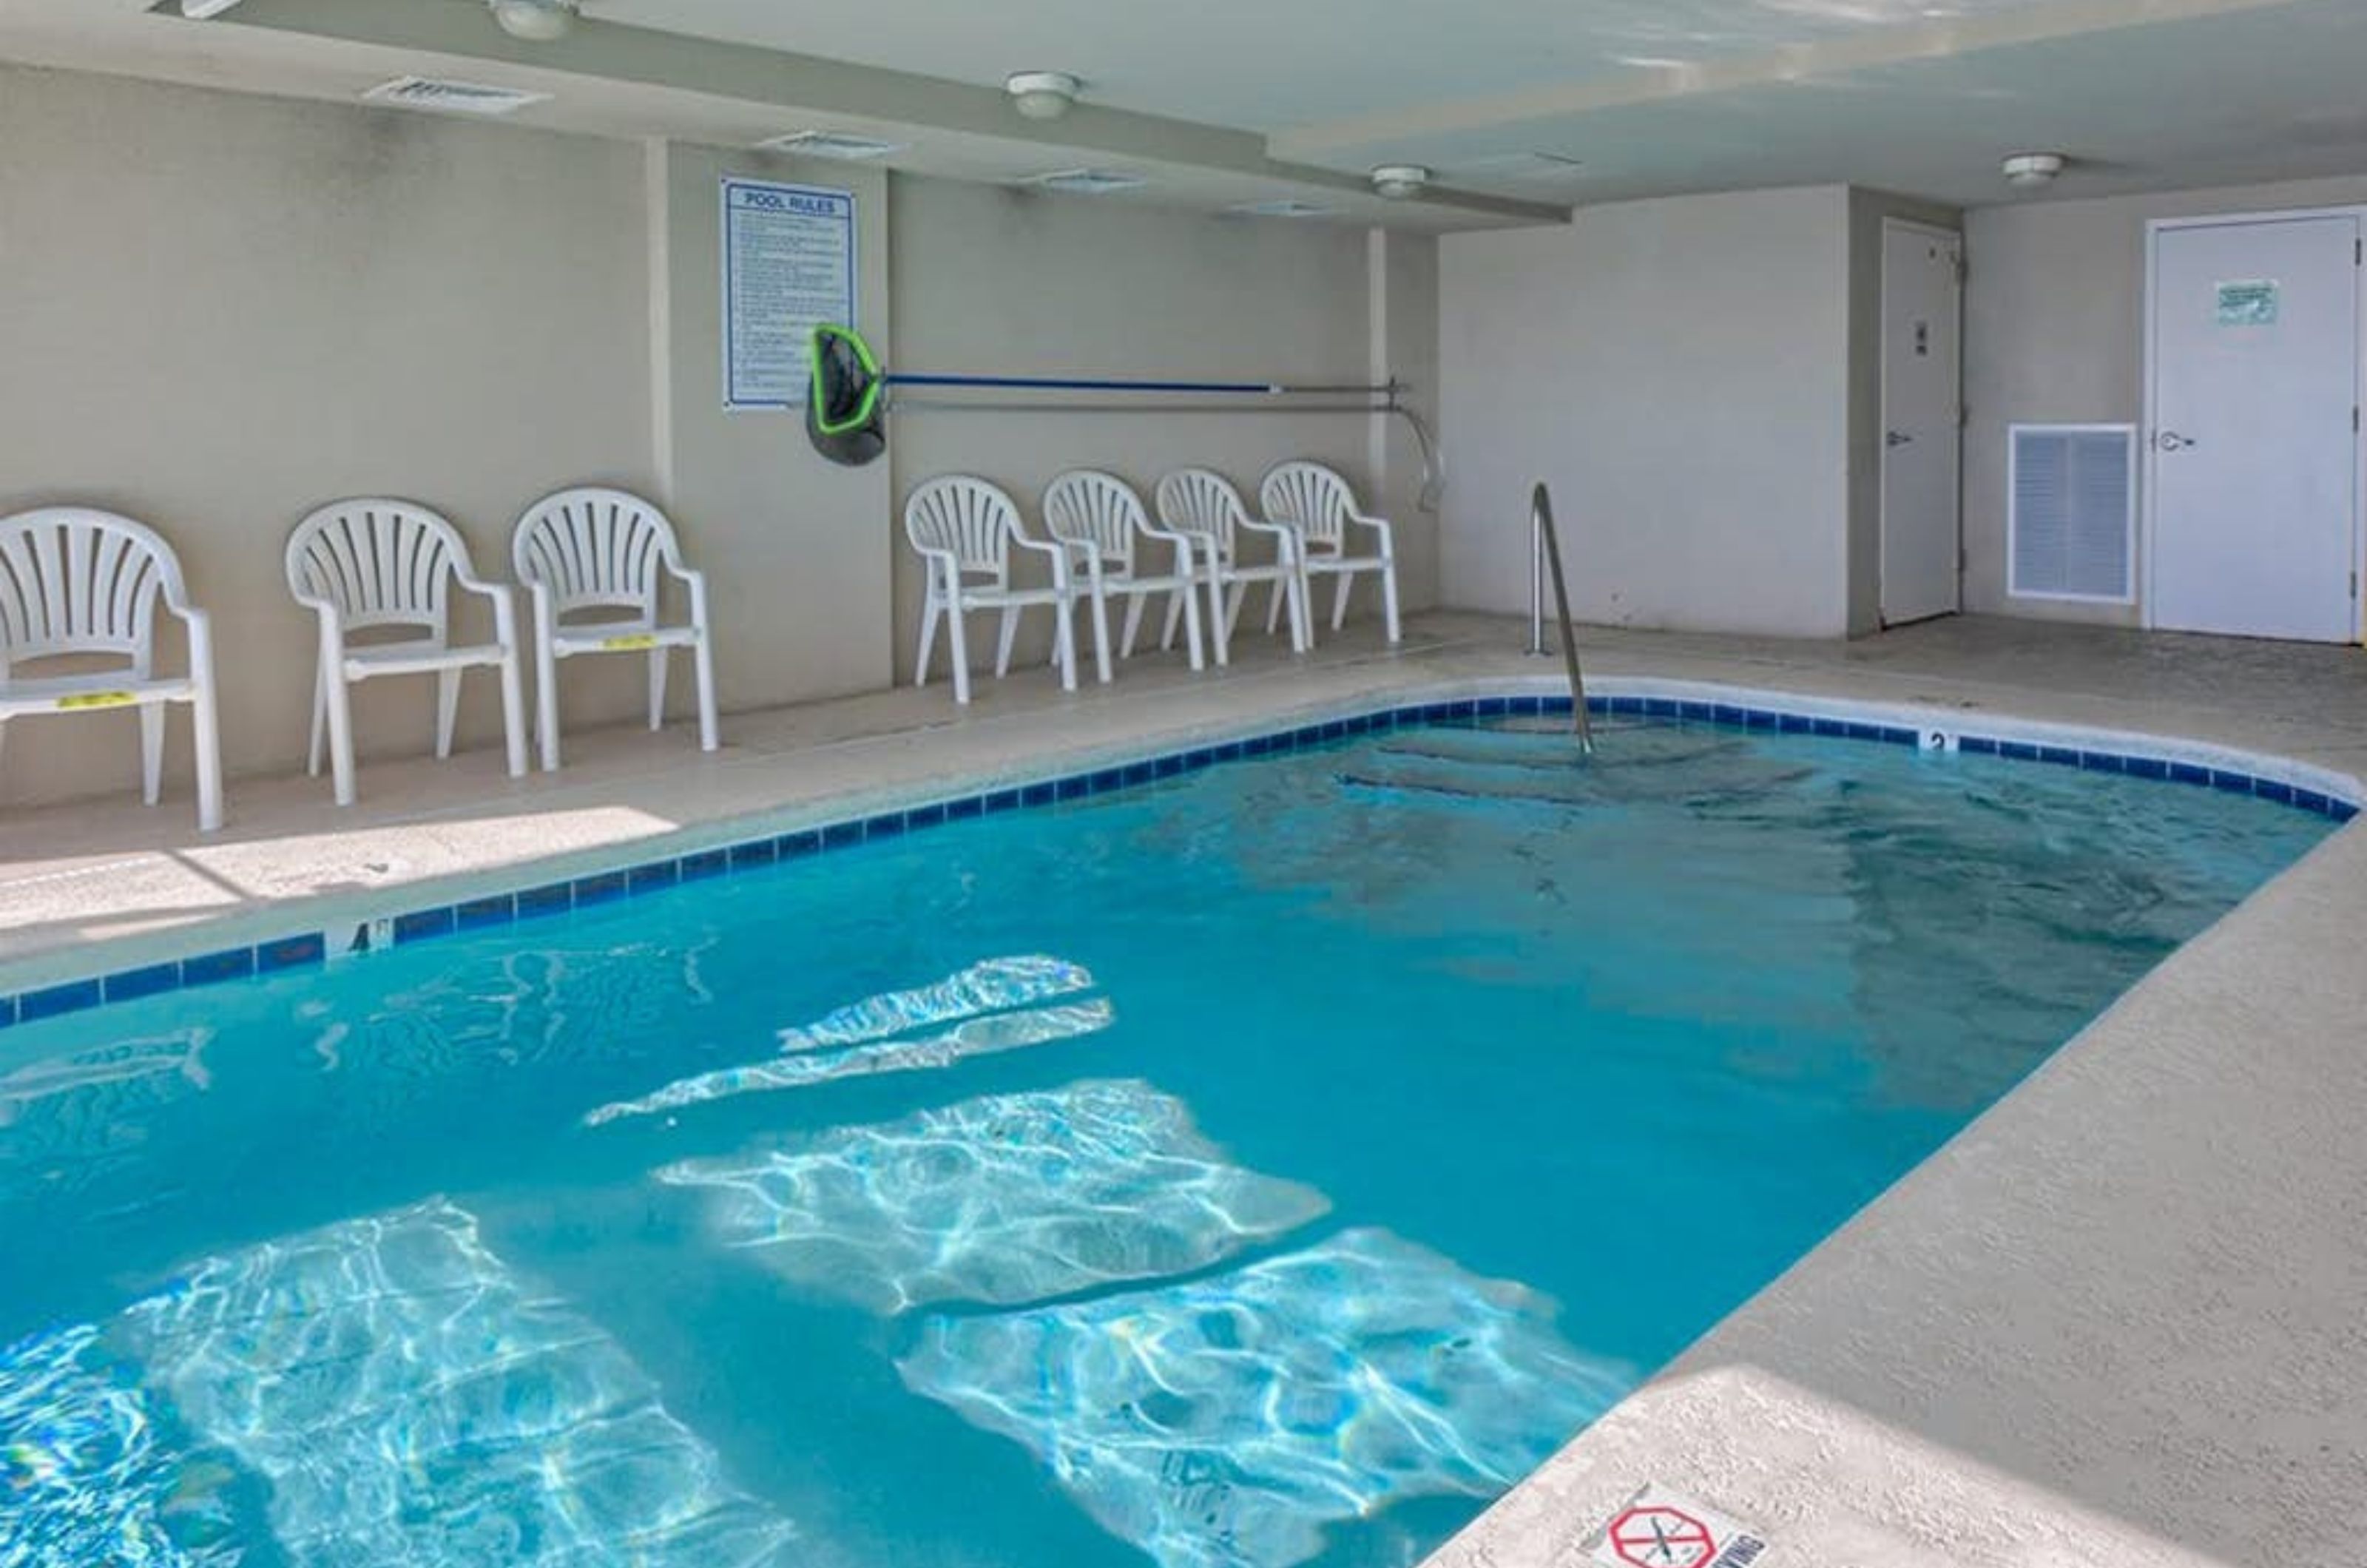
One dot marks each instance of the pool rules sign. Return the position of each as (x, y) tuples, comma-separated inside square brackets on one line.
[(1660, 1528)]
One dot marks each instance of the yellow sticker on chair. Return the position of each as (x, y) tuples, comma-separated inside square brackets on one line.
[(627, 644), (95, 700)]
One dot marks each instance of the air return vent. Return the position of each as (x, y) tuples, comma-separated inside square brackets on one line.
[(1282, 207), (1087, 182), (452, 97), (835, 144), (2072, 529)]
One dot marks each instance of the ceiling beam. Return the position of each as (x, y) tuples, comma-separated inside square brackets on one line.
[(463, 30)]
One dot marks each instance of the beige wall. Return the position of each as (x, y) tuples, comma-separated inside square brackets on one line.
[(1868, 211), (1677, 370), (989, 280), (2054, 333), (218, 311), (795, 547)]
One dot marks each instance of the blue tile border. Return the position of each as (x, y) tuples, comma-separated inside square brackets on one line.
[(311, 949)]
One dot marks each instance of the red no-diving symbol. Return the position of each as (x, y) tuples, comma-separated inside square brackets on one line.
[(1659, 1537)]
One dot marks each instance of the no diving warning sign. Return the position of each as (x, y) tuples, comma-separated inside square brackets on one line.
[(1659, 1528)]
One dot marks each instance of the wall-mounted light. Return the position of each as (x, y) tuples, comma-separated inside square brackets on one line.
[(536, 21), (1399, 182), (2032, 170), (1043, 94)]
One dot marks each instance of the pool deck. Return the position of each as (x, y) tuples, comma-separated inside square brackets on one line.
[(2120, 1320)]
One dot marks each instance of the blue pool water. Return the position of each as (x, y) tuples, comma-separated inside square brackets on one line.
[(1264, 1166)]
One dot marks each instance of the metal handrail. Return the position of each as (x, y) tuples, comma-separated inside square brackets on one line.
[(1545, 557)]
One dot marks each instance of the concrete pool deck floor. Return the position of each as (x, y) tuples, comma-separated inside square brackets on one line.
[(2121, 1320)]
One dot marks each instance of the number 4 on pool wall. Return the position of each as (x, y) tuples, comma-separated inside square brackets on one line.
[(1660, 1528)]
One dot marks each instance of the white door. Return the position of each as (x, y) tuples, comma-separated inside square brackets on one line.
[(2253, 458), (1922, 431)]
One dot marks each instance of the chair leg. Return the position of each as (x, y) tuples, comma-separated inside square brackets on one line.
[(1134, 606), (339, 702), (1175, 602), (205, 727), (447, 709), (514, 711), (1233, 601), (1389, 597), (1340, 600), (152, 752), (1275, 593), (1217, 613), (320, 719), (1064, 639), (658, 660), (546, 703), (959, 649), (1189, 598), (1101, 620), (702, 664), (1004, 640), (1302, 628), (930, 612)]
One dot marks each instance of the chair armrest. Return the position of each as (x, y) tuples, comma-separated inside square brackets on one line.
[(201, 637), (694, 583), (1378, 525), (1062, 569), (504, 606), (1287, 538)]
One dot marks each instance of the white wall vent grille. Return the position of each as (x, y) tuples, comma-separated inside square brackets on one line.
[(452, 97), (1087, 182), (837, 144), (2071, 527)]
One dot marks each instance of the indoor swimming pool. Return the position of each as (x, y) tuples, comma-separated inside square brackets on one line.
[(1264, 1164)]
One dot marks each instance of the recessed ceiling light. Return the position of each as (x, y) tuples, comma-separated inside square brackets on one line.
[(2031, 169), (835, 144), (1399, 181), (1086, 182), (1043, 94), (536, 21)]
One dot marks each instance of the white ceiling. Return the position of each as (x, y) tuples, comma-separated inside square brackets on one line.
[(1227, 101), (1271, 64)]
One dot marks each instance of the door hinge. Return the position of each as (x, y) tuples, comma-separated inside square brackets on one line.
[(2354, 418), (2354, 584), (2358, 251)]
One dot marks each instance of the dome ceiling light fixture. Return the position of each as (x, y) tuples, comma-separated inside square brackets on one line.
[(2033, 171), (1400, 181), (1043, 94), (536, 21)]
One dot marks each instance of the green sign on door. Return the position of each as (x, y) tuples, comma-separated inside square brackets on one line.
[(2249, 303)]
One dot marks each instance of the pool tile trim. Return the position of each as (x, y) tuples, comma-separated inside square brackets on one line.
[(1762, 712)]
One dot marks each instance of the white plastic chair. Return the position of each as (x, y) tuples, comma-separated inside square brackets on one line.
[(1319, 505), (1204, 505), (374, 562), (605, 550), (964, 529), (1099, 516), (83, 584)]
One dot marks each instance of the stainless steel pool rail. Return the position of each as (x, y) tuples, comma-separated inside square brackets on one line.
[(1544, 558)]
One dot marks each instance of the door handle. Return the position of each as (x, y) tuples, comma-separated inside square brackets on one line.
[(1896, 438), (2172, 441)]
